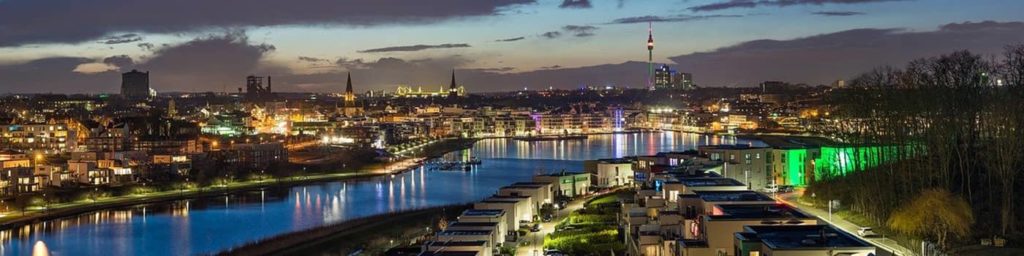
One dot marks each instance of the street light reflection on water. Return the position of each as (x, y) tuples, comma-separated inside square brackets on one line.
[(208, 225)]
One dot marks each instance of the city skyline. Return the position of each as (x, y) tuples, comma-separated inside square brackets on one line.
[(310, 47), (511, 127)]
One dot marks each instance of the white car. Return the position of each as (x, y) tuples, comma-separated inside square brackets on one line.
[(866, 232)]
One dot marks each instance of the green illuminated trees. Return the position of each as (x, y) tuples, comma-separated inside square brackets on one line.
[(959, 122)]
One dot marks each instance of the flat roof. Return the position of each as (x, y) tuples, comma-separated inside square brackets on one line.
[(483, 212), (563, 174), (507, 198), (615, 161), (472, 224), (694, 174), (524, 186), (794, 142), (449, 253), (730, 146), (687, 153), (759, 211), (464, 232), (710, 182), (739, 196), (457, 243), (805, 236), (530, 184)]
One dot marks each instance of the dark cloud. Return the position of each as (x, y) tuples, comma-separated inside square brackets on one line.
[(580, 31), (55, 75), (312, 59), (510, 39), (121, 39), (210, 63), (731, 4), (837, 13), (146, 46), (579, 4), (350, 63), (824, 58), (551, 34), (497, 70), (220, 62), (676, 18), (120, 61), (412, 48), (71, 21)]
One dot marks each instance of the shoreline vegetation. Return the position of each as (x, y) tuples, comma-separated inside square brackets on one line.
[(31, 215)]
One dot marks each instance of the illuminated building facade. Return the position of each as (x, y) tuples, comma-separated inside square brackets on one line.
[(419, 92), (50, 138)]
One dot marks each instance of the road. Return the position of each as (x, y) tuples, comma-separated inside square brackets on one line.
[(536, 239), (888, 246)]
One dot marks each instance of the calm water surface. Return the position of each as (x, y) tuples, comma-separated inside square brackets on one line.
[(202, 226)]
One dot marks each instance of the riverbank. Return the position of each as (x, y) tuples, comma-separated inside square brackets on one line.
[(368, 235), (68, 209), (58, 210)]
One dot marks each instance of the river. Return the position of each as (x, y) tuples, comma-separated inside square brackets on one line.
[(209, 225)]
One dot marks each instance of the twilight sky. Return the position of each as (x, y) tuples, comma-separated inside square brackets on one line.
[(73, 46)]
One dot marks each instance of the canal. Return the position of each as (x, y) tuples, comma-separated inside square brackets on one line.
[(209, 225)]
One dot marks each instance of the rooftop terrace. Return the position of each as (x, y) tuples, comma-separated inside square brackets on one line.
[(739, 196), (802, 237), (710, 182), (479, 212), (759, 211)]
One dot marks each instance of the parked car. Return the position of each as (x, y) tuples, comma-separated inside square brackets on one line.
[(771, 188), (546, 218), (535, 227), (866, 232), (786, 189)]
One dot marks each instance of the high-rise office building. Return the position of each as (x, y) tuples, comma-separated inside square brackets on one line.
[(683, 80), (663, 78), (666, 78), (135, 85)]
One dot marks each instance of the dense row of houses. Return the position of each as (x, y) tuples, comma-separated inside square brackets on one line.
[(695, 211), (62, 153), (494, 221)]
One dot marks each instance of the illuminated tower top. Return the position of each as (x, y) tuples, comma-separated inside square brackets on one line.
[(650, 37)]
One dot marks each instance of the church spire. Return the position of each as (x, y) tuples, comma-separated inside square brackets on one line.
[(348, 85), (453, 90), (350, 97)]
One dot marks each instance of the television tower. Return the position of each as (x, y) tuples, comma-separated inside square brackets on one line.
[(650, 55)]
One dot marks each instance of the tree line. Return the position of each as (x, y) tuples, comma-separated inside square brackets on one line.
[(959, 119)]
